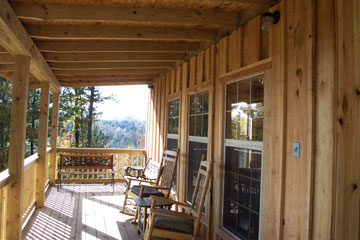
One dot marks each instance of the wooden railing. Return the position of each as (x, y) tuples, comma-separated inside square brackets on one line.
[(122, 158), (29, 191)]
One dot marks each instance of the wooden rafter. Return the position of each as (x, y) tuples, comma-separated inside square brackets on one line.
[(119, 33), (107, 77), (46, 12), (108, 71), (124, 46), (87, 83), (115, 57), (111, 65), (14, 38)]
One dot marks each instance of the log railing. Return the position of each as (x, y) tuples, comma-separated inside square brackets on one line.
[(122, 158), (29, 191)]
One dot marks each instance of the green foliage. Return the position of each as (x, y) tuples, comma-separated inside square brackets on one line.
[(5, 111)]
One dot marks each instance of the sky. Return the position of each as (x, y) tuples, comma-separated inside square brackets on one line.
[(130, 101)]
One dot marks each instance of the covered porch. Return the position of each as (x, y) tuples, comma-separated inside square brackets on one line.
[(272, 102)]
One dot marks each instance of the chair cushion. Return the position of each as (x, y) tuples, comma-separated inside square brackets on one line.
[(147, 192), (174, 224)]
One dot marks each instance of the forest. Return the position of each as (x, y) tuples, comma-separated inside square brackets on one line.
[(79, 122)]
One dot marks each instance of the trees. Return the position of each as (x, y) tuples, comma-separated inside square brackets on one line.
[(77, 115)]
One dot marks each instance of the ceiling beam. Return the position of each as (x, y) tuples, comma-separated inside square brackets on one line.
[(47, 12), (108, 71), (106, 77), (111, 65), (115, 57), (112, 46), (106, 83), (6, 67), (99, 32), (14, 38)]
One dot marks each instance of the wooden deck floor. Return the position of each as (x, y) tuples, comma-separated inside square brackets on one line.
[(82, 212)]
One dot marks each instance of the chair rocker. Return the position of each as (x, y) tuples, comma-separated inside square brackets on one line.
[(177, 225), (160, 187)]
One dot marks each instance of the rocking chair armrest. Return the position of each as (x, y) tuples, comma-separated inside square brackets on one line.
[(169, 213), (141, 180), (182, 204), (153, 187)]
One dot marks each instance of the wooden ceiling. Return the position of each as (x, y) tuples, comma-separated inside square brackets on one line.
[(112, 42)]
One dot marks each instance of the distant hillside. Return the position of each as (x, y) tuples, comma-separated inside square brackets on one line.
[(127, 133)]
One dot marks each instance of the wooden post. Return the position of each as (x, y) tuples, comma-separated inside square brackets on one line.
[(42, 144), (54, 132), (17, 146)]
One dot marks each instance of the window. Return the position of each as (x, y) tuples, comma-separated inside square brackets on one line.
[(198, 137), (173, 131), (243, 155)]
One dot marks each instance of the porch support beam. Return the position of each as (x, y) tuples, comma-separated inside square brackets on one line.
[(15, 39), (42, 144), (54, 134), (17, 146)]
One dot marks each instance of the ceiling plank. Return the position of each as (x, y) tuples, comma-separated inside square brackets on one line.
[(119, 33), (108, 71), (110, 65), (112, 46), (251, 12), (106, 77), (6, 67), (46, 12), (106, 83), (14, 38), (115, 57)]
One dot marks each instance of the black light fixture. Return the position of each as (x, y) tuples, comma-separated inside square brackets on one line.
[(269, 19), (151, 87)]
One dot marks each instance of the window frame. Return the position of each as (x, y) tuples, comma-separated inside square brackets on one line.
[(199, 139), (245, 144)]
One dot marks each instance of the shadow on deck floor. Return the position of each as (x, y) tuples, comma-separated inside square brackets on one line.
[(82, 212)]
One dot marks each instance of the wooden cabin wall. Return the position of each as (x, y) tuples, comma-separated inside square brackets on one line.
[(312, 87)]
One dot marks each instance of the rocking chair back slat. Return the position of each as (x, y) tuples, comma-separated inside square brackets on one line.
[(165, 177)]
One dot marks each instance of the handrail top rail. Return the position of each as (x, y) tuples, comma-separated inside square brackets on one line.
[(5, 175), (100, 150)]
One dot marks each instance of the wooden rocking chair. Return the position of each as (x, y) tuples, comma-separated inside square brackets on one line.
[(177, 225), (161, 187)]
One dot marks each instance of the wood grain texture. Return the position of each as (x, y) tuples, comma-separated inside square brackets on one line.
[(116, 46), (272, 180), (236, 49), (47, 32), (110, 65), (214, 19), (193, 70), (347, 208), (325, 141), (17, 146), (300, 125), (252, 41), (15, 40), (53, 140), (42, 165)]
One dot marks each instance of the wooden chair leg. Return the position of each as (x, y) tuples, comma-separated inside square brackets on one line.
[(148, 233), (136, 214), (124, 204)]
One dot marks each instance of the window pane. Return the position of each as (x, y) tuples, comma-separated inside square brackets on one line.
[(204, 126), (192, 127), (231, 95), (242, 191), (198, 124), (257, 108), (205, 102), (198, 103), (192, 104), (196, 150), (173, 116), (172, 144)]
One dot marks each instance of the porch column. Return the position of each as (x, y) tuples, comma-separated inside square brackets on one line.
[(42, 144), (54, 133), (17, 146)]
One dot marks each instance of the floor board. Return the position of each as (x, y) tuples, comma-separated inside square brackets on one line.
[(82, 212)]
